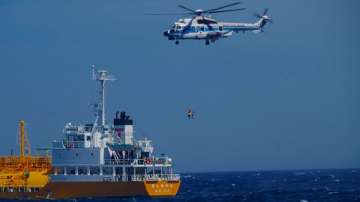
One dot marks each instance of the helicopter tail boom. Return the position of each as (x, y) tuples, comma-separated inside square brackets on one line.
[(263, 19)]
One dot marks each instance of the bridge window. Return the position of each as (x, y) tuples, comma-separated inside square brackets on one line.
[(202, 28), (71, 170), (220, 28), (118, 170), (60, 170), (88, 127), (107, 170), (94, 171), (82, 171)]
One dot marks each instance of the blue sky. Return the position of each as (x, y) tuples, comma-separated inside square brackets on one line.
[(284, 99)]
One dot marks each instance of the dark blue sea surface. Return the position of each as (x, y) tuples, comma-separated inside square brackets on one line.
[(299, 185)]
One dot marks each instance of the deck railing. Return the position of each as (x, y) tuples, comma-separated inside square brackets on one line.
[(142, 178), (145, 161), (155, 177), (30, 162)]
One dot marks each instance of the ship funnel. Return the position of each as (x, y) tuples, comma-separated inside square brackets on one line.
[(124, 128)]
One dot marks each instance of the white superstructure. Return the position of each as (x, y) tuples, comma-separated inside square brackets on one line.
[(107, 152)]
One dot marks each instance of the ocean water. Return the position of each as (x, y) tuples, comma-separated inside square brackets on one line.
[(299, 186)]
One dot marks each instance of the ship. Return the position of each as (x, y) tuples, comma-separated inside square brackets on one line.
[(23, 175), (99, 159)]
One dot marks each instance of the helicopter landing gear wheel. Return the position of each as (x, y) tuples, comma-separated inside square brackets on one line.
[(177, 42), (207, 42)]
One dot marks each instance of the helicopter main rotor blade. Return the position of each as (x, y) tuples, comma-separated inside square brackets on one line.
[(169, 14), (188, 9), (229, 10), (266, 11), (222, 7)]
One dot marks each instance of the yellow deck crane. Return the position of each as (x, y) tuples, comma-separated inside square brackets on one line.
[(24, 173)]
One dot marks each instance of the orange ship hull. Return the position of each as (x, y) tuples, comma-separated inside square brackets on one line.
[(63, 190)]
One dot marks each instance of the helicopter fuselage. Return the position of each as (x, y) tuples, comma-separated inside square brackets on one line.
[(205, 28)]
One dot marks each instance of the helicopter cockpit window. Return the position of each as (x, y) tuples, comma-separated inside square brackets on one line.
[(172, 30)]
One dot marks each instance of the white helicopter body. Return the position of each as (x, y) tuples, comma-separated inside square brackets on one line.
[(201, 27)]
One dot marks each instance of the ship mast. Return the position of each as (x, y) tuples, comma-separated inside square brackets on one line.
[(102, 76)]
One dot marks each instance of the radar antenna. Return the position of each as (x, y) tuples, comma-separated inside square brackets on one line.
[(102, 76)]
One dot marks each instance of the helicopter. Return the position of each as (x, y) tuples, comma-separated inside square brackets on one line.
[(201, 27)]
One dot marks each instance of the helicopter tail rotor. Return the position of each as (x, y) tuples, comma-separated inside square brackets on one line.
[(264, 16)]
